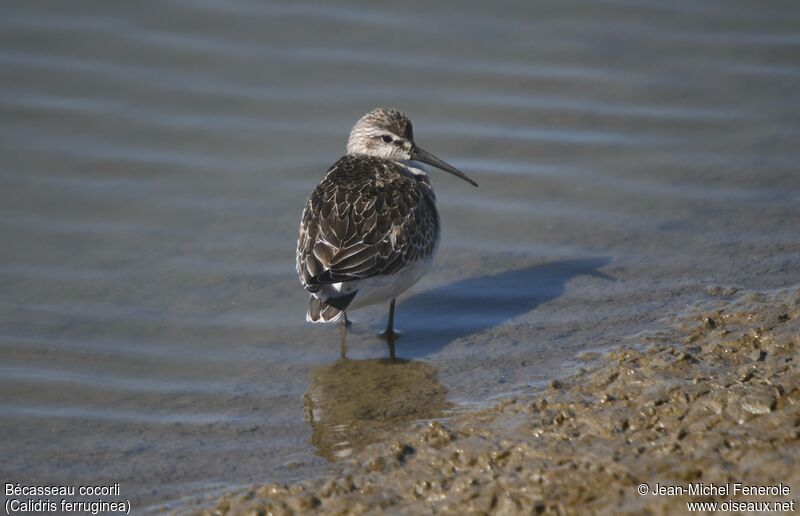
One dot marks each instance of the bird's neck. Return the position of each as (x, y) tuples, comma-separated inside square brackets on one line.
[(422, 176), (416, 168)]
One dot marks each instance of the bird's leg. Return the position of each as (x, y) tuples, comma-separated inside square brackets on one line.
[(390, 324), (390, 335), (343, 343)]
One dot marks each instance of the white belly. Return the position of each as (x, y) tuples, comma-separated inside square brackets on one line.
[(379, 289)]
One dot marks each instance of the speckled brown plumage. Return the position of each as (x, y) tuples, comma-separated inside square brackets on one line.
[(370, 216), (370, 228)]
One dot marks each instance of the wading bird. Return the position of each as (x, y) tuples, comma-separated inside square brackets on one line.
[(370, 229)]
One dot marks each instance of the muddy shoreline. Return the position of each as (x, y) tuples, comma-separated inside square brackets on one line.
[(712, 399)]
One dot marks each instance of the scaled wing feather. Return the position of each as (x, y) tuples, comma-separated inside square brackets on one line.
[(368, 217)]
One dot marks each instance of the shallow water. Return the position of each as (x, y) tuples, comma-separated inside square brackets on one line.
[(155, 161)]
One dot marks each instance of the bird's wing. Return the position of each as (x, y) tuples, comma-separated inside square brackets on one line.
[(366, 218)]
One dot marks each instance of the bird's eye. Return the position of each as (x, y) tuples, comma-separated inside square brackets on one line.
[(387, 138)]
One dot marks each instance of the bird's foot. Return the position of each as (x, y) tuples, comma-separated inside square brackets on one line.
[(390, 335)]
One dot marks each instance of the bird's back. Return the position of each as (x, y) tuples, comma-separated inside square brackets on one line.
[(368, 217)]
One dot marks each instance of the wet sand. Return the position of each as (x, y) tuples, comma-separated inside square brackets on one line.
[(714, 397)]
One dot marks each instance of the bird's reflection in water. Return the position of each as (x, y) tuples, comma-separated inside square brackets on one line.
[(352, 403)]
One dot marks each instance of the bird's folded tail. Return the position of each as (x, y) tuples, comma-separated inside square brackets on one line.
[(330, 310)]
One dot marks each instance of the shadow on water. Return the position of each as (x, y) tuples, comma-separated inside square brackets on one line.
[(437, 317), (352, 403)]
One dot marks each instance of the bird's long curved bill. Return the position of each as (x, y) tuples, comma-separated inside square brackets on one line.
[(426, 157)]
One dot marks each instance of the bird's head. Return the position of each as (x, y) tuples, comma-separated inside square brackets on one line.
[(387, 133)]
